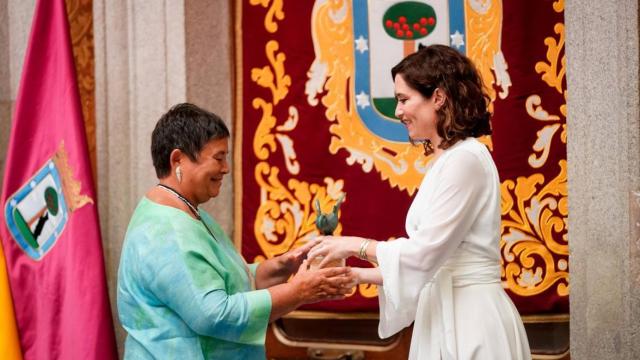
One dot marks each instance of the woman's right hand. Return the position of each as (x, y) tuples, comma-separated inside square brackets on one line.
[(324, 284), (310, 286)]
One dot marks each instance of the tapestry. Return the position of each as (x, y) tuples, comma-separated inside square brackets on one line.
[(315, 122), (80, 15)]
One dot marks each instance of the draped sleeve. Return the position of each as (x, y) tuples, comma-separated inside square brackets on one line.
[(449, 200)]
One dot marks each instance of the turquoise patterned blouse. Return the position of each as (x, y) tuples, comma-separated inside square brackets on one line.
[(184, 295)]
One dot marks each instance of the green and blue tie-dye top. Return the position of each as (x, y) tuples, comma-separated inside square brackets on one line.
[(184, 295)]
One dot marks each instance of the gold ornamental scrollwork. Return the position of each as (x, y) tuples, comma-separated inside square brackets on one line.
[(264, 141), (368, 290), (484, 24), (553, 71), (533, 217), (286, 218), (534, 222), (275, 80), (275, 10)]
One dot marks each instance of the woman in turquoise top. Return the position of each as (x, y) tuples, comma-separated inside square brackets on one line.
[(183, 290)]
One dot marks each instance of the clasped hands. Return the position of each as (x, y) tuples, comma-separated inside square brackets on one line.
[(323, 283), (336, 248)]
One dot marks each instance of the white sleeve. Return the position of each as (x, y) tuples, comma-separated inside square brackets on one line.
[(407, 265)]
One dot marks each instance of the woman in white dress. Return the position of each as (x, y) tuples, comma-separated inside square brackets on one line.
[(445, 275)]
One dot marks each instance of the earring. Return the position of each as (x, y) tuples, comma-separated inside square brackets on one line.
[(179, 173)]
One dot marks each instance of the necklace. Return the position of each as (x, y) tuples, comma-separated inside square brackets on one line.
[(195, 212), (191, 207)]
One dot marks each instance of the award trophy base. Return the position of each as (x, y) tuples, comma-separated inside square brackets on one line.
[(314, 264)]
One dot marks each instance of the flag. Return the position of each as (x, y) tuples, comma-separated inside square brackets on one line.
[(9, 342), (48, 217)]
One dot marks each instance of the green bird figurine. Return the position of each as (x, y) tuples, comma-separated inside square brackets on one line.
[(327, 223)]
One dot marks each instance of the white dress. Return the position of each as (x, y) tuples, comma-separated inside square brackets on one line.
[(446, 275)]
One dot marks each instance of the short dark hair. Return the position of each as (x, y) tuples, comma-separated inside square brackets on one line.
[(464, 113), (185, 127)]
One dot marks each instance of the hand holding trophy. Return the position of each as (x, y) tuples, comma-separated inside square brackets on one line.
[(326, 224)]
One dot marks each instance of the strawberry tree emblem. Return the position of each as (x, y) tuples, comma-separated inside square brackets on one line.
[(409, 21)]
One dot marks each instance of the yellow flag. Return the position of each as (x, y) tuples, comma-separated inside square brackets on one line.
[(9, 342)]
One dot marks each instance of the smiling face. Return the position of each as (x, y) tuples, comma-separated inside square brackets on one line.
[(202, 178), (415, 111)]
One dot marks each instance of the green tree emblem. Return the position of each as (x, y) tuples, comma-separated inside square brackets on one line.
[(409, 21)]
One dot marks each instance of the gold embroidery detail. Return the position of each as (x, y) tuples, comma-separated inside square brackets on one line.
[(368, 290), (278, 83), (70, 186), (263, 137), (286, 218), (274, 11), (552, 73), (530, 220), (484, 30), (558, 6)]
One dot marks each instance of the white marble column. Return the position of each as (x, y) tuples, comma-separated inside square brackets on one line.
[(151, 55), (604, 177)]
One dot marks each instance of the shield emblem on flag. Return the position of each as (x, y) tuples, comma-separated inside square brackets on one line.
[(37, 213)]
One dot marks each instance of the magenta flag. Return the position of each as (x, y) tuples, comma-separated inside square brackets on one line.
[(48, 220)]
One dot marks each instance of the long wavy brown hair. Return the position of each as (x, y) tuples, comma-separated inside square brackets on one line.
[(464, 112)]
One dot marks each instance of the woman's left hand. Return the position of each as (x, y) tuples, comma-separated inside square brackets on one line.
[(333, 248)]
